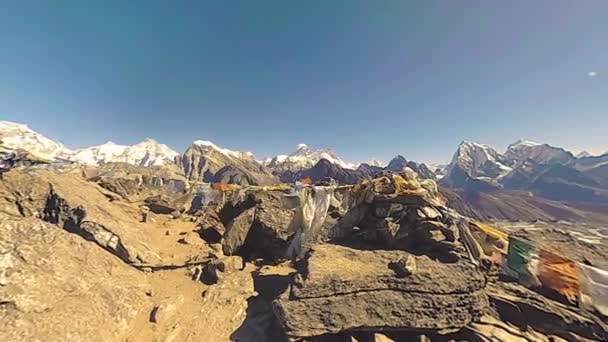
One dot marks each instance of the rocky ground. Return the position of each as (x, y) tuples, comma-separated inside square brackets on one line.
[(119, 253)]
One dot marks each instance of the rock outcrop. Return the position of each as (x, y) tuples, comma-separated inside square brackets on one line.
[(56, 285), (204, 161), (259, 231), (340, 289)]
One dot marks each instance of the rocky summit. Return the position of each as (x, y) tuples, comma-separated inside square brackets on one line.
[(213, 245)]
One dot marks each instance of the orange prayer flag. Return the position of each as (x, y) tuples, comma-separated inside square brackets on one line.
[(559, 273), (306, 180)]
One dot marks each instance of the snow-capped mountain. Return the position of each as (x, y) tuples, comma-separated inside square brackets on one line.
[(523, 150), (479, 161), (146, 153), (20, 136), (375, 162), (304, 157)]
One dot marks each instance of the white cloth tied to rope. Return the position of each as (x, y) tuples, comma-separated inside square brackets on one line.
[(309, 218)]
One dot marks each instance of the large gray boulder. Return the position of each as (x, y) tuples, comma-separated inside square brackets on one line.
[(344, 289), (261, 231)]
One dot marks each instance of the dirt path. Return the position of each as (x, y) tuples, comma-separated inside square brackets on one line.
[(191, 311)]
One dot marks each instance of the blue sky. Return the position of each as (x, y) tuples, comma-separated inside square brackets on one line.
[(365, 78)]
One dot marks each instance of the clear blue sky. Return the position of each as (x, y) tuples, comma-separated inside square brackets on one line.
[(365, 78)]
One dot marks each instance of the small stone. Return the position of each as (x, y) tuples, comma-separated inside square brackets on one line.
[(215, 269), (163, 311), (154, 314), (431, 212), (167, 233), (403, 267)]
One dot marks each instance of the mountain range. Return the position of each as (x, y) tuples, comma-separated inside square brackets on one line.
[(542, 177)]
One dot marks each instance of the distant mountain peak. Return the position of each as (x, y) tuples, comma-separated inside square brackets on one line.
[(20, 136), (375, 162), (522, 150), (304, 157), (225, 151), (524, 142), (584, 154), (146, 153)]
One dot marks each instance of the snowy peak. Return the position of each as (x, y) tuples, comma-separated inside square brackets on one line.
[(523, 150), (210, 146), (305, 157), (20, 136), (146, 153), (583, 154), (523, 143), (375, 162), (475, 154), (479, 161)]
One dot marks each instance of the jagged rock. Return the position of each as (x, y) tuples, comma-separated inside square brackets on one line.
[(525, 309), (55, 285), (211, 229), (268, 237), (161, 205), (344, 289), (80, 207), (236, 232), (259, 231)]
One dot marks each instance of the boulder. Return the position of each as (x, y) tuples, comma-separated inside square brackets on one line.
[(343, 289), (269, 237), (210, 227), (525, 309), (259, 231), (236, 232), (160, 204), (57, 286)]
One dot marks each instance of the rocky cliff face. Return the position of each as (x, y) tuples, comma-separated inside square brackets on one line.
[(203, 160)]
